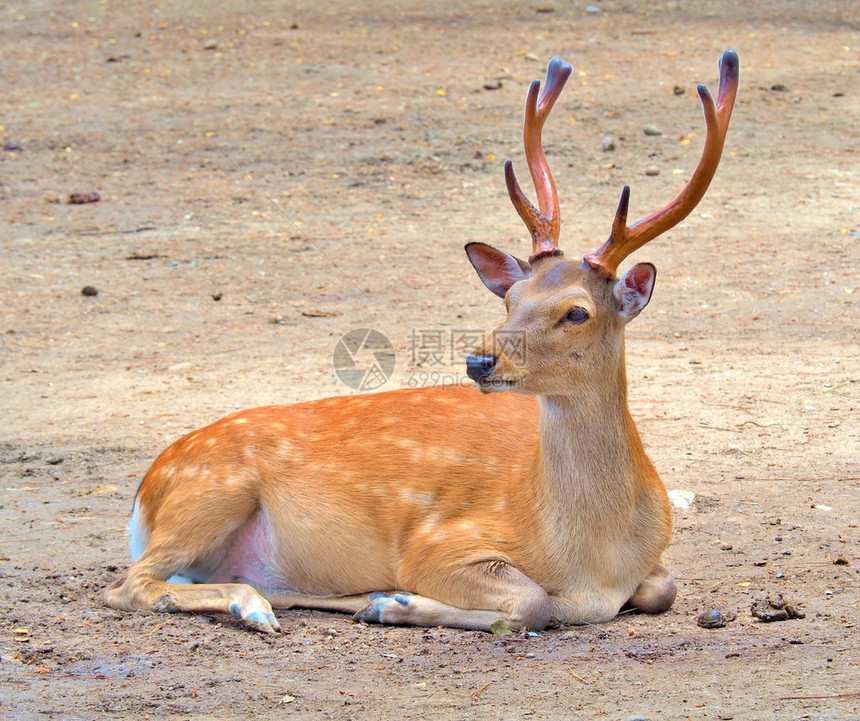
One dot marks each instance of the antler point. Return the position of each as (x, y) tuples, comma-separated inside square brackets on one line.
[(730, 62)]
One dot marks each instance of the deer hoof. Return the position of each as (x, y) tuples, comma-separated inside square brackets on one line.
[(262, 621), (374, 611)]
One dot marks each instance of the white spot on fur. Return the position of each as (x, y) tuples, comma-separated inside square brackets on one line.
[(430, 524), (421, 498)]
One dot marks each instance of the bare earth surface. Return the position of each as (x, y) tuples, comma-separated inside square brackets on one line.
[(273, 175)]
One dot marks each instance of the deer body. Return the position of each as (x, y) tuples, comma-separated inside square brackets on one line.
[(442, 506), (263, 497)]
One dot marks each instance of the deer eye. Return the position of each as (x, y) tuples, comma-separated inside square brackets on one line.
[(577, 315)]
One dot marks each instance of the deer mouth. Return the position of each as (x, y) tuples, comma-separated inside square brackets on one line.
[(494, 385)]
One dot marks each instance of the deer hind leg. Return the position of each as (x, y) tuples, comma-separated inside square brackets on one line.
[(193, 543), (142, 589), (656, 593), (474, 596)]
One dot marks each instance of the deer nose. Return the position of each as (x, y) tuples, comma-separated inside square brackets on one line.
[(480, 367)]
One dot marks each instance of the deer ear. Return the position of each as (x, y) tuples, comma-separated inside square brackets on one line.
[(633, 290), (496, 269)]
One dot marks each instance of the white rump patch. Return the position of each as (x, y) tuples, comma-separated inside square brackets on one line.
[(138, 537)]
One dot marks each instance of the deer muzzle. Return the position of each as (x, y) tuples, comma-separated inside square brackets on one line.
[(480, 367)]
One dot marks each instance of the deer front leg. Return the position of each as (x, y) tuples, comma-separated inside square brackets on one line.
[(472, 596), (656, 593)]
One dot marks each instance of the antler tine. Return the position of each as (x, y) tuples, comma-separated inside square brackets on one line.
[(544, 225), (624, 239)]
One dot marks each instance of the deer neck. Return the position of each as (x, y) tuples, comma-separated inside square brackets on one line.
[(592, 473), (589, 448)]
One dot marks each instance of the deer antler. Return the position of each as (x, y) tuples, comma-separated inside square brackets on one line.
[(624, 239), (544, 225)]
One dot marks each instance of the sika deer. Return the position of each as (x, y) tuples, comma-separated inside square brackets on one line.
[(444, 506)]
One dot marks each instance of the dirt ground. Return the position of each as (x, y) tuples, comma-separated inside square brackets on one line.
[(273, 175)]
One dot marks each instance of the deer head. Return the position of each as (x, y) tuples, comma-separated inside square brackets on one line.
[(564, 329)]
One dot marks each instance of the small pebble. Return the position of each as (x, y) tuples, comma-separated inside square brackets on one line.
[(210, 45), (608, 144), (83, 198), (711, 619), (652, 170), (90, 291), (12, 146), (637, 717), (680, 498), (217, 295), (652, 130), (725, 546), (592, 9)]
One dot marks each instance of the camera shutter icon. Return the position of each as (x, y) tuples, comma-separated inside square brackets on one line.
[(364, 359)]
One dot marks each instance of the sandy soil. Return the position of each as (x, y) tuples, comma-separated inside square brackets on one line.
[(275, 175)]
